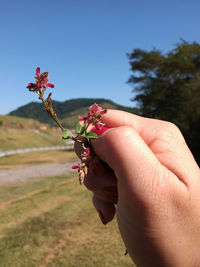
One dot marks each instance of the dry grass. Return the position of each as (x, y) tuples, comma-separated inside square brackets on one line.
[(37, 157), (13, 122), (51, 222), (20, 138)]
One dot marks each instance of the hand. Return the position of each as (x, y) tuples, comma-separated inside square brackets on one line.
[(158, 185)]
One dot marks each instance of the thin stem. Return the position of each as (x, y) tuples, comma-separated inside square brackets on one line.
[(49, 109)]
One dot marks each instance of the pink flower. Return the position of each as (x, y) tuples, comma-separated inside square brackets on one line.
[(50, 85), (84, 159), (82, 118), (87, 150), (99, 125), (78, 166), (94, 116), (38, 70), (100, 131), (31, 86), (41, 81), (96, 109)]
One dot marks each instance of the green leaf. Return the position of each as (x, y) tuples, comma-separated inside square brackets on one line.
[(83, 134), (65, 135), (91, 135), (79, 129)]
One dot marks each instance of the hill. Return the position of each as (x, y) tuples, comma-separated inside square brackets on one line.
[(21, 138), (16, 132), (67, 111), (20, 123)]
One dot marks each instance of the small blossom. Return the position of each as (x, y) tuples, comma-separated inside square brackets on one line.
[(99, 132), (99, 125), (38, 70), (76, 166), (103, 111), (96, 109), (84, 159), (82, 118), (31, 86), (41, 81), (50, 85), (87, 150)]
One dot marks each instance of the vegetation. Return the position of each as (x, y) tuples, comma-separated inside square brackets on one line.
[(167, 86), (20, 123), (37, 157), (52, 222), (20, 138), (67, 111)]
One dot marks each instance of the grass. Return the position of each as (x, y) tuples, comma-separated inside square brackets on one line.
[(51, 222), (21, 138), (19, 132), (37, 157), (13, 121)]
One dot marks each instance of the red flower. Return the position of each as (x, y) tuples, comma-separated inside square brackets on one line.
[(95, 116), (41, 81), (78, 166), (82, 118), (87, 150), (96, 109), (50, 85)]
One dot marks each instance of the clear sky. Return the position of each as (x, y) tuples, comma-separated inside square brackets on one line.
[(83, 44)]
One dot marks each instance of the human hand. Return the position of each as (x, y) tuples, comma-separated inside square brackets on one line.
[(158, 185)]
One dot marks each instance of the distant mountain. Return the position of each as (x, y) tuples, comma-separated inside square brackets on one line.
[(67, 111)]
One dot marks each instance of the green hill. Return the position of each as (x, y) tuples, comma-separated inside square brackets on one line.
[(67, 111)]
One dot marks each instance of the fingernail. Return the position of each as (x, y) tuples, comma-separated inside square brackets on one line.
[(103, 219), (97, 168)]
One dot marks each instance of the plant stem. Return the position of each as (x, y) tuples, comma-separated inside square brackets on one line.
[(49, 109)]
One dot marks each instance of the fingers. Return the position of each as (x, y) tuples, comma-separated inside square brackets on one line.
[(102, 181), (147, 128), (137, 169), (163, 138), (105, 210)]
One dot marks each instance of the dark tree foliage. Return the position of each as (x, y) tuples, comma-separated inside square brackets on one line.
[(167, 86)]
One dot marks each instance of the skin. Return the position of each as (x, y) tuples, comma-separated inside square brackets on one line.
[(145, 174)]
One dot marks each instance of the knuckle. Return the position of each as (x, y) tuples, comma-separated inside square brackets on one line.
[(170, 132), (117, 133)]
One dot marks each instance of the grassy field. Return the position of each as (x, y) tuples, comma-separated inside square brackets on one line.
[(20, 138), (37, 157), (51, 222), (16, 132), (16, 122)]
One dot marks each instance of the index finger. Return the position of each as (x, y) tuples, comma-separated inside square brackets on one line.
[(163, 138)]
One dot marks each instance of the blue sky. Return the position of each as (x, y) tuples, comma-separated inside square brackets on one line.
[(83, 44)]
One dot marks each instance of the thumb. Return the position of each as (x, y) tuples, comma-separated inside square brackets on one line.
[(135, 165)]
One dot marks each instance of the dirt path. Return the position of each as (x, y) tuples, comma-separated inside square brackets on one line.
[(34, 171)]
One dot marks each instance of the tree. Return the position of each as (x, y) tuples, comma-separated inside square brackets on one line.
[(167, 86)]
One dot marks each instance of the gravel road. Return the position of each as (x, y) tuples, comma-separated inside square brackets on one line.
[(4, 153), (34, 171)]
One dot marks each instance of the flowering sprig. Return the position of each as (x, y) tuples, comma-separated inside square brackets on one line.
[(92, 120), (40, 85), (83, 166)]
